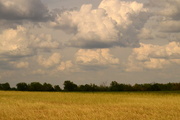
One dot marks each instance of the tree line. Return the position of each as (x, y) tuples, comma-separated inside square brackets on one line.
[(70, 86), (33, 86)]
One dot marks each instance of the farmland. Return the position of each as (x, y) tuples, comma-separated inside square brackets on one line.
[(16, 105)]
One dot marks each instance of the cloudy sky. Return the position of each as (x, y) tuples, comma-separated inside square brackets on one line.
[(89, 41)]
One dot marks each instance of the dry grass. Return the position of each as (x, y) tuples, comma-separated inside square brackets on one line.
[(89, 106)]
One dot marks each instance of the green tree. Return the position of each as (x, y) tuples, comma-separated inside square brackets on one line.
[(5, 86), (87, 87), (114, 86), (47, 87), (35, 86), (155, 87), (69, 86), (138, 87), (22, 86), (57, 88)]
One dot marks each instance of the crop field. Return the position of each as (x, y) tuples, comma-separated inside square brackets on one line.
[(89, 106)]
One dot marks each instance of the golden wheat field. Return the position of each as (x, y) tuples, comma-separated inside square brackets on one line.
[(89, 106)]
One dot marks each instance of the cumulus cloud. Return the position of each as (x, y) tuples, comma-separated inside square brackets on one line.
[(168, 8), (160, 28), (150, 56), (17, 44), (13, 42), (65, 65), (113, 23), (33, 10), (21, 64), (52, 60), (170, 26), (11, 64), (164, 20), (146, 34), (44, 42), (20, 43), (95, 57)]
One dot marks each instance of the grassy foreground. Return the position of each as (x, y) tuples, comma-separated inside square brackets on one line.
[(89, 106)]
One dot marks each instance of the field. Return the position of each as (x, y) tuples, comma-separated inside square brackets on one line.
[(89, 106)]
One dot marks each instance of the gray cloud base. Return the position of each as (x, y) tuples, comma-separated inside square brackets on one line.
[(31, 10)]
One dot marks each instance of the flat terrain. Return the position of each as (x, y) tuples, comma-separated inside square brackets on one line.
[(89, 106)]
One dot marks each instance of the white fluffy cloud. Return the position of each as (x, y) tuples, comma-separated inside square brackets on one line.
[(52, 60), (113, 23), (14, 42), (65, 65), (150, 56), (121, 11), (19, 42), (44, 42), (95, 57)]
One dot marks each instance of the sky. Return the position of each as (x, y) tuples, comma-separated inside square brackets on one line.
[(89, 41)]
